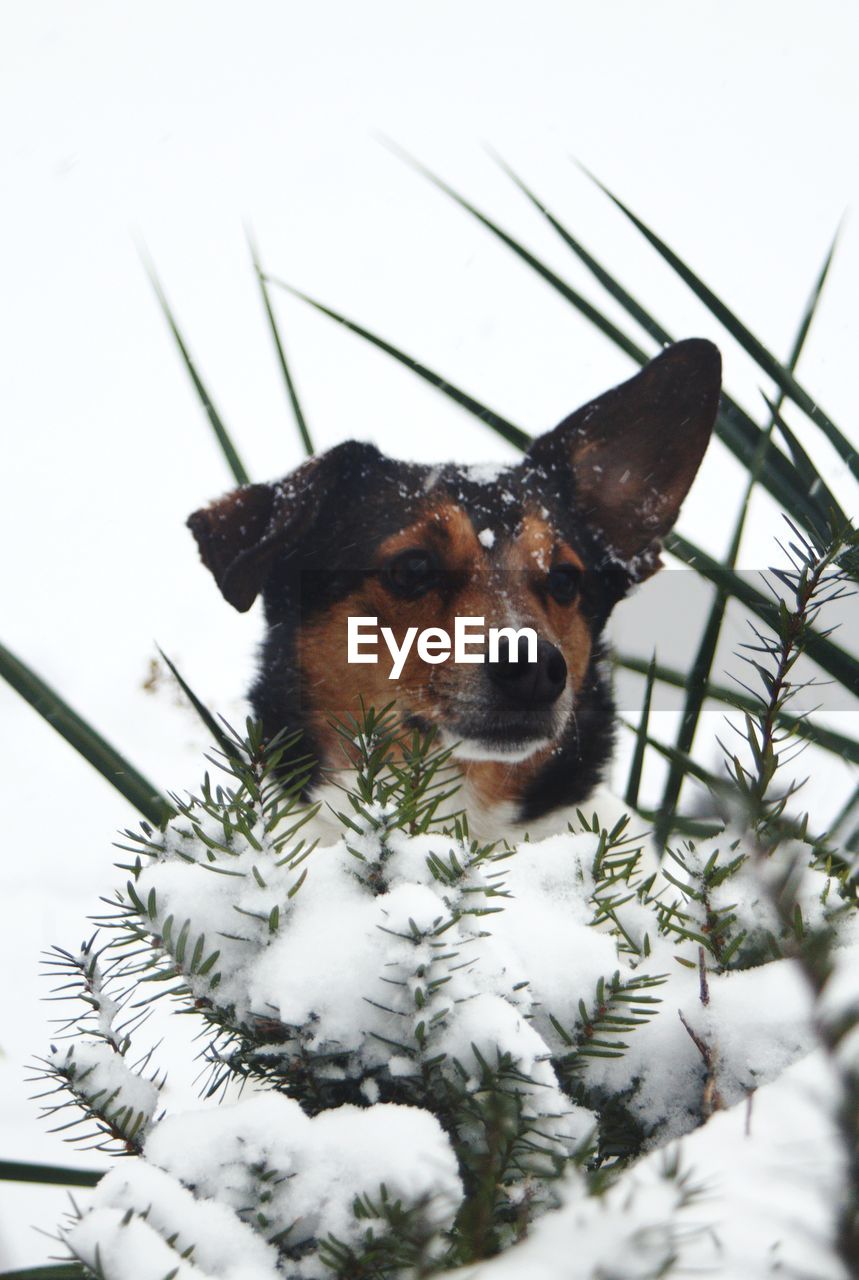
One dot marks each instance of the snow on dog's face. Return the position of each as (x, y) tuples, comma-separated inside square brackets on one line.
[(551, 543)]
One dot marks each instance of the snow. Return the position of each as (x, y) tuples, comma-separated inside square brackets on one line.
[(486, 538), (315, 1167), (395, 957), (485, 472), (103, 1078), (751, 1194), (223, 1247)]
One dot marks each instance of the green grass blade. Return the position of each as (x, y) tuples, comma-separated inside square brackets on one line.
[(692, 828), (778, 473), (834, 660), (844, 816), (817, 486), (53, 1174), (51, 1271), (640, 314), (809, 313), (693, 768), (740, 433), (228, 449), (634, 780), (202, 710), (95, 749), (587, 309), (515, 435), (705, 657), (298, 412), (696, 685), (829, 739), (781, 376)]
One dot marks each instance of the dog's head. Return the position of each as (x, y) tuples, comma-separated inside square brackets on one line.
[(551, 543)]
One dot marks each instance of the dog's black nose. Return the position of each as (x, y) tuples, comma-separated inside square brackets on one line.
[(534, 683)]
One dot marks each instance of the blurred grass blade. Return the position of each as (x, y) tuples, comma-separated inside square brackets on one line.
[(781, 376), (228, 747), (735, 699), (834, 660), (95, 749), (228, 449), (696, 685), (50, 1271), (634, 781), (298, 413), (848, 812), (52, 1174), (705, 656), (515, 435), (587, 309), (692, 828), (692, 767)]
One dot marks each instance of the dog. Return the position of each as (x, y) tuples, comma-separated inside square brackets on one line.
[(551, 543)]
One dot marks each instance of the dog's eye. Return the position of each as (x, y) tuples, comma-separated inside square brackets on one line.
[(564, 583), (411, 573)]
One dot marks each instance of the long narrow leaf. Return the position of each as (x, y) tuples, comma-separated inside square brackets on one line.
[(53, 1174), (817, 486), (202, 710), (696, 685), (829, 739), (809, 314), (298, 412), (587, 309), (640, 314), (705, 656), (228, 449), (515, 435), (635, 769), (86, 740), (781, 376), (51, 1271), (693, 768), (847, 812)]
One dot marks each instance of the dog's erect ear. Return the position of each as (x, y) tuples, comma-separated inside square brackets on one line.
[(634, 451), (239, 534)]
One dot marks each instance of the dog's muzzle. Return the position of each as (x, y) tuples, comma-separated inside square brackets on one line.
[(528, 684)]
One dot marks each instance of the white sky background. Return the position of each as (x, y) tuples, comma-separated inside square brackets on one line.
[(729, 126)]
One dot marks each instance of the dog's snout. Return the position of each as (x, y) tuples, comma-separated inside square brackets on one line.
[(529, 683)]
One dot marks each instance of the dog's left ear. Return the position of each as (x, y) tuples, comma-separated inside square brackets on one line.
[(240, 534), (634, 451)]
